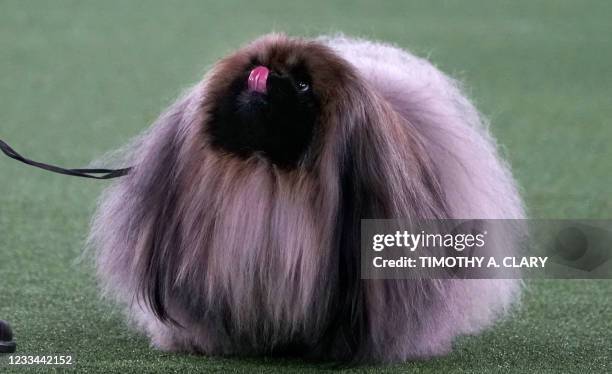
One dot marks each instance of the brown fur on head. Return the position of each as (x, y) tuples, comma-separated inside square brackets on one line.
[(225, 240)]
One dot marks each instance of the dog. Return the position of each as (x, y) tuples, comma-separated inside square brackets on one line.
[(237, 230)]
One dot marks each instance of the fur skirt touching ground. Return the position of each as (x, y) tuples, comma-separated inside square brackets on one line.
[(237, 230)]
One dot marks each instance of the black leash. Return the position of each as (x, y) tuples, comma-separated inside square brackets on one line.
[(85, 173)]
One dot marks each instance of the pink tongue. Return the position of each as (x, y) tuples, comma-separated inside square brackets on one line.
[(258, 78)]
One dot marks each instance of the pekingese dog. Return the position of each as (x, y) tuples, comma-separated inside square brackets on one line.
[(237, 230)]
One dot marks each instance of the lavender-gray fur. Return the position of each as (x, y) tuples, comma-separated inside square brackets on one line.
[(221, 255)]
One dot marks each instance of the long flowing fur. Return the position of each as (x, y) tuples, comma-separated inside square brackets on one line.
[(221, 255)]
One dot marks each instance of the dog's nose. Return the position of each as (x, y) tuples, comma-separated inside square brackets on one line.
[(258, 79)]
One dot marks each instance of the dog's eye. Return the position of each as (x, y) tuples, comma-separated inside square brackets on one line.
[(302, 86)]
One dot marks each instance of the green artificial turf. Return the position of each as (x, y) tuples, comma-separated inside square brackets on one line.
[(79, 78)]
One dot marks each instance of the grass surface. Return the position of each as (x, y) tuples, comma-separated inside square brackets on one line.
[(78, 78)]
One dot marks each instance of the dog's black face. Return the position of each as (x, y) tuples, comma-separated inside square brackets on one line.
[(268, 109)]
